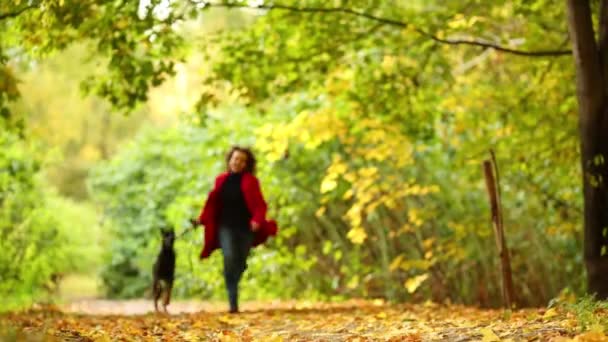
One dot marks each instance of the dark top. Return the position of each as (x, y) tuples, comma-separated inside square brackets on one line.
[(233, 213)]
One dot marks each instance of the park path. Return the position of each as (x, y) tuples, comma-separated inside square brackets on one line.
[(355, 320)]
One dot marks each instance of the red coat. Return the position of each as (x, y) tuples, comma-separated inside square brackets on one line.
[(250, 186)]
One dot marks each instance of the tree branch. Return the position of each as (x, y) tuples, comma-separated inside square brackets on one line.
[(15, 14), (539, 53), (334, 48), (392, 22)]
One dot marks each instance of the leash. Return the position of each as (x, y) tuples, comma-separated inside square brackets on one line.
[(192, 227)]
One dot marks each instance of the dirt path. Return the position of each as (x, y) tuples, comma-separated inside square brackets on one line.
[(99, 320)]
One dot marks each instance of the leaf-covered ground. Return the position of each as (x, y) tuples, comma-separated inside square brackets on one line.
[(291, 321)]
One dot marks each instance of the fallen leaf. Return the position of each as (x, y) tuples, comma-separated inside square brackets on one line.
[(488, 335), (591, 336), (550, 313)]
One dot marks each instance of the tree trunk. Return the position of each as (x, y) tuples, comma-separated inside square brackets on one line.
[(499, 233), (589, 57)]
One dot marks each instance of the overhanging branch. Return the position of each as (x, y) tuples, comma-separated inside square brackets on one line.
[(392, 22), (15, 14), (488, 45)]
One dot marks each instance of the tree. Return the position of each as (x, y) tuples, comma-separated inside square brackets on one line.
[(589, 57), (591, 60), (296, 44)]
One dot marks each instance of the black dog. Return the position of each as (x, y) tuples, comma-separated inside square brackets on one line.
[(164, 270)]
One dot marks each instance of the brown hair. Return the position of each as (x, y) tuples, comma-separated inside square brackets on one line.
[(250, 167)]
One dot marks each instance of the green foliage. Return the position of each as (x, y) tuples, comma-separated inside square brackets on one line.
[(161, 180), (410, 223), (136, 39), (452, 103), (43, 236), (370, 132), (589, 312), (78, 131)]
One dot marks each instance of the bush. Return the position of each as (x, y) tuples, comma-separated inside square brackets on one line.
[(43, 235)]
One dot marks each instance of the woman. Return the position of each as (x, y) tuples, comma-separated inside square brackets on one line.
[(234, 217)]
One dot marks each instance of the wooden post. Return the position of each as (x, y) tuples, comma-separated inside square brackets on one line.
[(493, 187)]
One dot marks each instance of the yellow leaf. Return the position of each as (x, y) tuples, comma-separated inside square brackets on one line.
[(591, 336), (274, 338), (428, 243), (357, 235), (395, 263), (488, 335), (550, 313), (225, 319), (320, 212), (388, 64), (378, 302), (328, 185), (368, 172), (382, 315), (412, 284), (228, 336)]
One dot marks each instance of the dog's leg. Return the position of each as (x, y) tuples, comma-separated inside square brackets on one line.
[(167, 296), (156, 290)]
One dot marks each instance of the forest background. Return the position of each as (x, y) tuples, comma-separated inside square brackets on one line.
[(370, 137)]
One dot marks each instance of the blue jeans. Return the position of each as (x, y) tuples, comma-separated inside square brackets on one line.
[(235, 246)]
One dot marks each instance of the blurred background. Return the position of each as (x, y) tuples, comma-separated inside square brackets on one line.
[(370, 139)]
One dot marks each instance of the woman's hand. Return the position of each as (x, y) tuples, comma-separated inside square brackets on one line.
[(255, 226)]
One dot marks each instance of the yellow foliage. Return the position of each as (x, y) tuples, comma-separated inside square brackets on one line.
[(364, 320), (357, 235), (353, 215), (591, 336), (552, 312), (396, 263), (488, 335), (388, 64), (451, 251), (428, 243), (339, 81), (416, 264), (413, 217), (412, 284), (458, 229), (272, 140), (320, 212), (374, 154), (406, 228), (328, 185), (90, 153), (461, 22), (353, 283)]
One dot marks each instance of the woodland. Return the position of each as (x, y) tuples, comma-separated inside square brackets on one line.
[(379, 127)]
